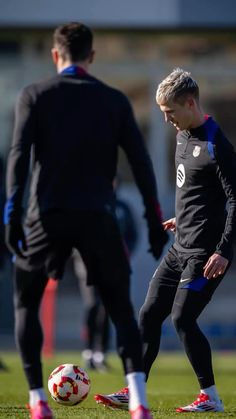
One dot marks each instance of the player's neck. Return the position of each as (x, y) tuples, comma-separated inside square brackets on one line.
[(198, 120)]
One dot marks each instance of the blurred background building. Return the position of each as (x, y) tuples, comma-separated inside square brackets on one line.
[(137, 44)]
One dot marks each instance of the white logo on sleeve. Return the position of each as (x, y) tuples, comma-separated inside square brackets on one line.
[(180, 175)]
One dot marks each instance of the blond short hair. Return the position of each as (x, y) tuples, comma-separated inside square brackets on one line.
[(177, 86)]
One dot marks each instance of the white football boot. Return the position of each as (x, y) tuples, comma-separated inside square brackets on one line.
[(202, 404)]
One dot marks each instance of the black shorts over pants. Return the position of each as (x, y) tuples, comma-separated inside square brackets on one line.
[(95, 234)]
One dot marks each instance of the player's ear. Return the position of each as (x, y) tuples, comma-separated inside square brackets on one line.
[(190, 101), (55, 55), (91, 57)]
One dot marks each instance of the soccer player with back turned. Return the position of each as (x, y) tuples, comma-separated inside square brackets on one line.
[(70, 127), (196, 263)]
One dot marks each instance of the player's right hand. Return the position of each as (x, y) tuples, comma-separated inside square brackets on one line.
[(170, 225), (15, 239)]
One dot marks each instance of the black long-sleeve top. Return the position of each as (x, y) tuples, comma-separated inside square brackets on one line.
[(206, 182), (70, 128)]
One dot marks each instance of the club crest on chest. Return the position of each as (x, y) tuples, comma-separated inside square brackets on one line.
[(196, 151)]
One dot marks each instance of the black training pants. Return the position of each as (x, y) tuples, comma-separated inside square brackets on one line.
[(97, 238), (179, 288)]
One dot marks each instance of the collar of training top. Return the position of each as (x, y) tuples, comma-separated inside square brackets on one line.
[(74, 70), (201, 129)]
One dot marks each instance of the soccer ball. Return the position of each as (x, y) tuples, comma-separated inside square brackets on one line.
[(68, 384)]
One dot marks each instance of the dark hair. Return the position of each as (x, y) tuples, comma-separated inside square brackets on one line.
[(74, 41)]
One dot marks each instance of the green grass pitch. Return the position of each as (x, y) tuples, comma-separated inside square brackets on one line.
[(171, 384)]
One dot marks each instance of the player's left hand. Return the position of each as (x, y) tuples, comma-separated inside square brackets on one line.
[(157, 239), (215, 266)]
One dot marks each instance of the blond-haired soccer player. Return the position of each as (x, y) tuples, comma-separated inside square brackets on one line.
[(196, 263)]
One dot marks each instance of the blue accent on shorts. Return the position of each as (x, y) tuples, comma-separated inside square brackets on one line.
[(196, 284)]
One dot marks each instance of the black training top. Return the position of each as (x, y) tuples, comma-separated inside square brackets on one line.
[(206, 181), (70, 128)]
